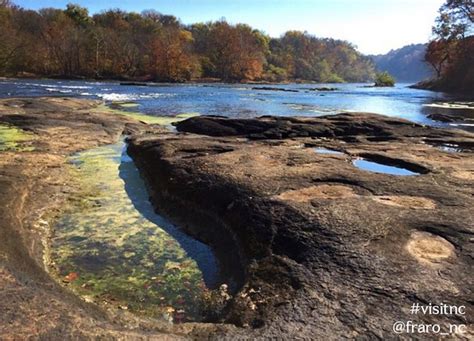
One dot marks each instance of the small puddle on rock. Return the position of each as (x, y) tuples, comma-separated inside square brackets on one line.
[(327, 151), (113, 249), (376, 167), (450, 148)]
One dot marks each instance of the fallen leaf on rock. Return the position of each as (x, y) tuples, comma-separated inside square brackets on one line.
[(179, 316), (71, 277)]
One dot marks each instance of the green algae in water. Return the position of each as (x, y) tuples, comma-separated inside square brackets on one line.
[(12, 139), (117, 108), (126, 104), (113, 248)]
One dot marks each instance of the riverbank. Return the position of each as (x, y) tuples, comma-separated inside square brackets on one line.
[(147, 82), (312, 245), (440, 85)]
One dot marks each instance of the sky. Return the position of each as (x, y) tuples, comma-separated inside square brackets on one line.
[(374, 26)]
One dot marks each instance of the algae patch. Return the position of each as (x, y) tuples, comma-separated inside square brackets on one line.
[(13, 139), (126, 104), (112, 248), (118, 108)]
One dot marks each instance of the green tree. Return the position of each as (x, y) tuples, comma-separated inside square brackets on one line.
[(384, 79), (80, 15)]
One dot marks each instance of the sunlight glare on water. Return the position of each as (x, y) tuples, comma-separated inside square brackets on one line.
[(241, 100)]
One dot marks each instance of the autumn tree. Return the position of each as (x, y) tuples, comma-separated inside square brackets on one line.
[(437, 55), (231, 52), (10, 43), (451, 52), (455, 20), (6, 3), (117, 44), (173, 58)]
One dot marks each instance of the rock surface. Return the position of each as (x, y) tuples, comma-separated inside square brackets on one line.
[(453, 114), (34, 187), (313, 246), (310, 245)]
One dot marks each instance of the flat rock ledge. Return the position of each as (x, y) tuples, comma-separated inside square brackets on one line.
[(312, 246)]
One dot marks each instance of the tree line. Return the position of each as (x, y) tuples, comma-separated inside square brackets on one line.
[(115, 44), (451, 52)]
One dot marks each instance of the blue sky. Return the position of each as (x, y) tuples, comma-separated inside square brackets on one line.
[(375, 26)]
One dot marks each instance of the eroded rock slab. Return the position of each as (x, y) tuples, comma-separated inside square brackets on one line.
[(35, 185), (314, 246)]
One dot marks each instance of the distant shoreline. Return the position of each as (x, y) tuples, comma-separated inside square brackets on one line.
[(204, 80), (436, 86), (193, 81)]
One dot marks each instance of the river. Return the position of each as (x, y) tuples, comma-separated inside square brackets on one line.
[(244, 100)]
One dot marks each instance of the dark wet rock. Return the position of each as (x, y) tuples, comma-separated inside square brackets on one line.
[(321, 249), (348, 126), (324, 88), (441, 117), (134, 83), (454, 115), (269, 88)]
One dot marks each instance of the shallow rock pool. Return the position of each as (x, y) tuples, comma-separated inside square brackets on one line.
[(321, 150), (377, 167), (112, 249)]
